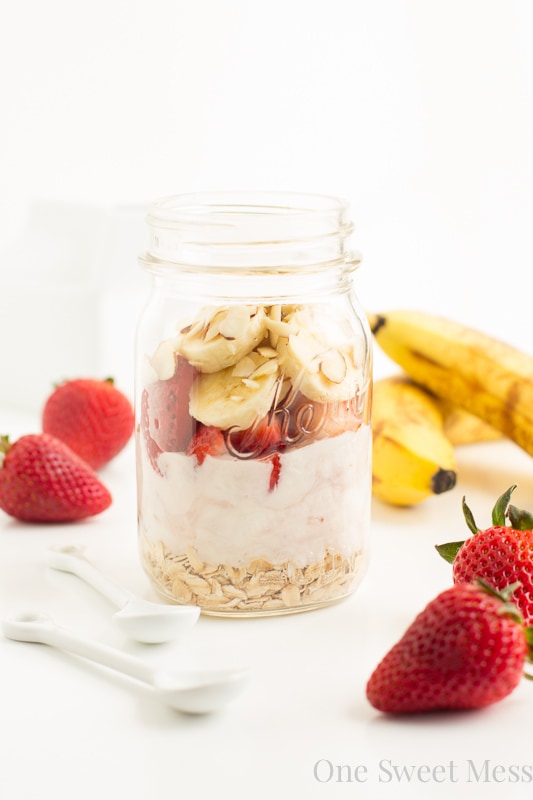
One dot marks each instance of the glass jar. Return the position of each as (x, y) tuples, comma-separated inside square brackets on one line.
[(253, 387)]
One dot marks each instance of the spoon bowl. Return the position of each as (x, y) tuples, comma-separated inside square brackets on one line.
[(200, 692), (141, 620), (152, 623), (191, 691)]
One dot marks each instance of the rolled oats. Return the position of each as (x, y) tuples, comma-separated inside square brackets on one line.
[(261, 587)]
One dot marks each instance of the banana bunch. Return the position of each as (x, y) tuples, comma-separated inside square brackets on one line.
[(482, 387), (466, 367), (414, 436), (249, 357), (412, 458)]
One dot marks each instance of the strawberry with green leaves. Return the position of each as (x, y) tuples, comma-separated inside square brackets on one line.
[(501, 554), (91, 416), (43, 480), (467, 649)]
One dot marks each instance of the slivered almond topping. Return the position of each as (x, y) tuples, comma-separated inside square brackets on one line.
[(280, 329), (267, 352), (270, 367), (244, 367), (212, 331), (235, 322), (333, 366)]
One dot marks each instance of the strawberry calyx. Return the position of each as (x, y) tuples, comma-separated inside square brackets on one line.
[(511, 610), (508, 608), (519, 519)]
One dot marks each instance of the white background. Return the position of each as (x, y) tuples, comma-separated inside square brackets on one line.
[(420, 113)]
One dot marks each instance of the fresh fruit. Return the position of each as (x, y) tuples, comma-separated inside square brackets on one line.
[(500, 555), (43, 480), (483, 375), (466, 650), (316, 365), (166, 416), (275, 472), (257, 441), (206, 441), (221, 337), (236, 396), (461, 427), (91, 416), (412, 458)]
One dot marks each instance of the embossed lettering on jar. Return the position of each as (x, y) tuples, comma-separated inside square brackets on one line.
[(253, 385)]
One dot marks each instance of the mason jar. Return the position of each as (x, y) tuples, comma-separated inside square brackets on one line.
[(253, 393)]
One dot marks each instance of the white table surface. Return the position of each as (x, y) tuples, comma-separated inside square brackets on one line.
[(74, 730)]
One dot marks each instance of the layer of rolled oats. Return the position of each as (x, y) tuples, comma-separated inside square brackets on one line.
[(260, 587)]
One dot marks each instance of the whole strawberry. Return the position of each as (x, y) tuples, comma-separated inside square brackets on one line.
[(500, 554), (91, 416), (466, 650), (43, 480)]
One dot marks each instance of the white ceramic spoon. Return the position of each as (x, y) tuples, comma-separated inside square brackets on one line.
[(139, 619), (193, 691)]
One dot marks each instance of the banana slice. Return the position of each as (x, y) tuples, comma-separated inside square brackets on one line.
[(238, 395), (222, 336), (320, 369), (163, 361)]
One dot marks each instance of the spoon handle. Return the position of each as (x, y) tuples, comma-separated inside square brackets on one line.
[(70, 559), (37, 629)]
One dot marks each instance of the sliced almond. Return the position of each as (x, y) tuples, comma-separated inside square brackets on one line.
[(333, 366), (244, 367), (235, 322), (211, 331), (267, 352), (267, 368), (280, 329), (251, 384)]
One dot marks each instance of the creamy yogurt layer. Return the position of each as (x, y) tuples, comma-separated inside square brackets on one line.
[(225, 511), (217, 535)]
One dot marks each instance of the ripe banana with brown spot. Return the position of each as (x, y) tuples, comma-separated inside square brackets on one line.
[(482, 375), (412, 458), (461, 427)]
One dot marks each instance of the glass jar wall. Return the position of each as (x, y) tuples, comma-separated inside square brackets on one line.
[(253, 386)]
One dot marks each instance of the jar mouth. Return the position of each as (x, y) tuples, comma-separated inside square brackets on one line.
[(251, 217), (258, 228)]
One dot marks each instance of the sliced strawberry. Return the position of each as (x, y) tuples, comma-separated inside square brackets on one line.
[(167, 416), (261, 439), (275, 472), (206, 441)]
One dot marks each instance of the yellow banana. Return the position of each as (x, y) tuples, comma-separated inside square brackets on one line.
[(461, 427), (476, 372), (412, 458)]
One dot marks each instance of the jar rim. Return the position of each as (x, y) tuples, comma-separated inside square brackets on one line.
[(245, 215), (254, 228)]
